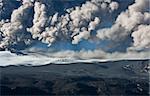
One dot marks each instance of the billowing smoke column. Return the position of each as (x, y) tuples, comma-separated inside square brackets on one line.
[(141, 36), (13, 30), (77, 23), (134, 21)]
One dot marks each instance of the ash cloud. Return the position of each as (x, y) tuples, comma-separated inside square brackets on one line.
[(14, 30), (128, 23), (76, 24), (37, 20)]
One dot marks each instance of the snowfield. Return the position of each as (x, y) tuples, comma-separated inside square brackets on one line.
[(34, 59)]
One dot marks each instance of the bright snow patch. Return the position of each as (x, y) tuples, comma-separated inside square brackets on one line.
[(34, 59)]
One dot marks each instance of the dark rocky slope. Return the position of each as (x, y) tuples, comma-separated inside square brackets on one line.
[(126, 77)]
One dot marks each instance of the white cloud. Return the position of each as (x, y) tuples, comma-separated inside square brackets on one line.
[(129, 22)]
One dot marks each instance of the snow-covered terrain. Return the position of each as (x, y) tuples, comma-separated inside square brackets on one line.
[(34, 59)]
